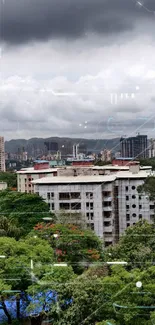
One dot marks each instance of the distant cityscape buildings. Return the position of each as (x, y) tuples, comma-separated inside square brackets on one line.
[(134, 147)]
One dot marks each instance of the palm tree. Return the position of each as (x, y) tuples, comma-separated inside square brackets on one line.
[(8, 228)]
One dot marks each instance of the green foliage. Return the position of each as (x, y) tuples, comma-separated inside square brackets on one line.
[(8, 228), (25, 209), (136, 246), (73, 245), (148, 162), (16, 265), (9, 178), (148, 187)]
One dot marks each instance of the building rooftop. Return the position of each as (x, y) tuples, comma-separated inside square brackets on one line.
[(41, 161), (75, 179), (36, 171), (93, 178)]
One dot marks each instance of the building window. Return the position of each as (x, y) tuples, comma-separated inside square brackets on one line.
[(107, 223), (128, 224), (52, 206), (75, 206), (49, 205), (134, 215), (133, 223), (87, 205), (75, 195), (133, 187), (92, 226), (133, 196), (64, 206), (64, 196), (127, 198), (29, 185), (91, 205), (126, 188), (127, 217), (48, 196), (52, 195), (140, 206), (29, 179), (140, 216), (89, 195), (134, 206), (87, 214), (151, 207), (106, 194), (127, 207), (92, 215), (140, 198), (107, 214), (107, 204)]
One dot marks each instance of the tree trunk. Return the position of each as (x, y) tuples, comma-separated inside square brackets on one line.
[(36, 320), (18, 307), (6, 311)]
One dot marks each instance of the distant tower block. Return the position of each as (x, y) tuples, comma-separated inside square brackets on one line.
[(2, 155)]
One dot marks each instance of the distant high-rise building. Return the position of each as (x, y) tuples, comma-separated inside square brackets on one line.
[(151, 148), (2, 155), (75, 150), (51, 147), (134, 147)]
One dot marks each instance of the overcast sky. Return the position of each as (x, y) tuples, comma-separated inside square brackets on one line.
[(61, 61)]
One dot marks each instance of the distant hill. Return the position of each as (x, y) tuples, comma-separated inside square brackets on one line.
[(35, 146)]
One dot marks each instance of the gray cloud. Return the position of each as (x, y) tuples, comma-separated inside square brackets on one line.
[(28, 20)]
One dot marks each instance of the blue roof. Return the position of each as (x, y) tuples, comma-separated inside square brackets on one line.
[(41, 161), (48, 297)]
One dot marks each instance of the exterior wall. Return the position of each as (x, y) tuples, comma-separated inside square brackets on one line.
[(38, 166), (116, 204), (24, 180), (127, 198), (3, 186), (96, 189)]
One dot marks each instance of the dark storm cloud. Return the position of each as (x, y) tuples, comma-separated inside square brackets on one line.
[(26, 20)]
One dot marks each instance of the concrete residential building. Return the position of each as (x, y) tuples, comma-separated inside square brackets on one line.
[(2, 155), (26, 175), (110, 203)]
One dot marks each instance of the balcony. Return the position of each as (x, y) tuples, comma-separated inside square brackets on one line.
[(108, 208), (107, 198), (108, 230)]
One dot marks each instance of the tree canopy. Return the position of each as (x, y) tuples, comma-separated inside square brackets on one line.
[(76, 246), (10, 178), (25, 209)]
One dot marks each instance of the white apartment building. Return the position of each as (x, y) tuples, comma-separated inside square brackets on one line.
[(26, 175), (2, 155), (110, 203)]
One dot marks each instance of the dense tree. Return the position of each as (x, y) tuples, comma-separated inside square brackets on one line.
[(16, 270), (136, 246), (25, 209), (148, 188), (9, 178), (8, 228), (74, 245)]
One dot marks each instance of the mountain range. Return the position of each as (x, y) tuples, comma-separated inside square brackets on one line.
[(35, 146)]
